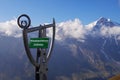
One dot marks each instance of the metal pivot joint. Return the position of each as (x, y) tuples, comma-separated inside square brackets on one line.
[(43, 55)]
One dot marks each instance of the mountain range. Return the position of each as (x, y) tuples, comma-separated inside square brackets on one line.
[(90, 52)]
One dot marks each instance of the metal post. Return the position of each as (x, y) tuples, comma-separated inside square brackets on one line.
[(42, 56), (37, 69), (43, 61)]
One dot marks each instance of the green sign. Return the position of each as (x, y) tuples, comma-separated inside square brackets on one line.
[(39, 43)]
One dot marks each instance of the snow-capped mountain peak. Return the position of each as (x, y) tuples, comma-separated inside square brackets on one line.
[(105, 22), (102, 21)]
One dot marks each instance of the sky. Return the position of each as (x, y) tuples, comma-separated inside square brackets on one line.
[(42, 11)]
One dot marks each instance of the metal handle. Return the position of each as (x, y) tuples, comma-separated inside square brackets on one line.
[(25, 39), (52, 42)]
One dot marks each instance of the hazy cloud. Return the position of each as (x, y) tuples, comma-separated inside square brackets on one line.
[(67, 29), (110, 31), (71, 29), (10, 28)]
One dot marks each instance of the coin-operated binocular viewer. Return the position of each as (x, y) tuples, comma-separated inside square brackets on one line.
[(43, 45)]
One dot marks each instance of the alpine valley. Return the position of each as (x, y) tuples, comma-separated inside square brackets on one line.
[(90, 52)]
